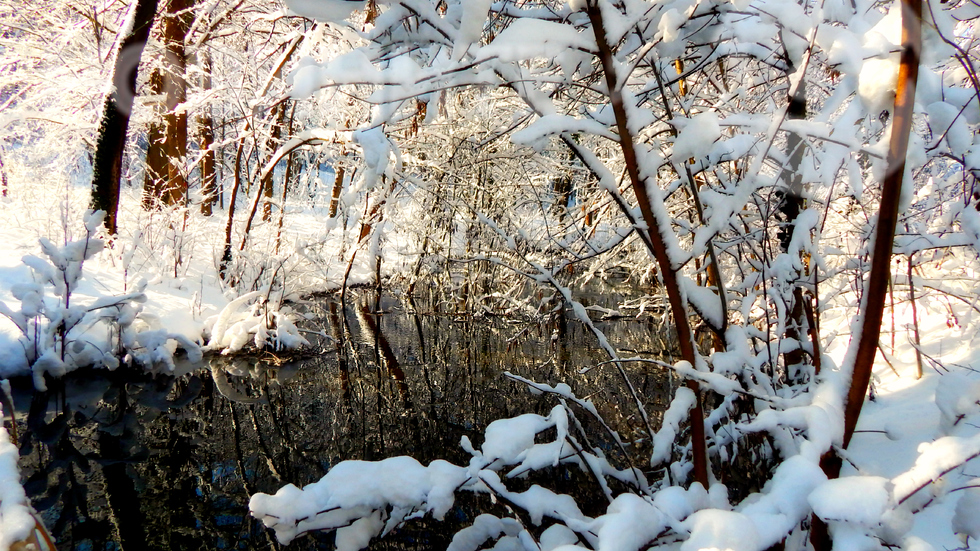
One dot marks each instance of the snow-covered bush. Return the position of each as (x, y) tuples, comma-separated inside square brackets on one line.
[(362, 500), (60, 332), (251, 319)]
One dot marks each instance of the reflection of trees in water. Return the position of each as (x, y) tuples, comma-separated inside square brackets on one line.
[(129, 461)]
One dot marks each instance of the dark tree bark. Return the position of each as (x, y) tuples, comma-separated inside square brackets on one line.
[(111, 141), (3, 176), (789, 209), (562, 188)]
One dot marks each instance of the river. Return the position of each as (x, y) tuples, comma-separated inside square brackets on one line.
[(132, 460)]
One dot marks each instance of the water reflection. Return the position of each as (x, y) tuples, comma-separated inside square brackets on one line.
[(125, 460)]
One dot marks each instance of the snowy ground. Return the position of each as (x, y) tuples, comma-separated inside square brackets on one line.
[(908, 416)]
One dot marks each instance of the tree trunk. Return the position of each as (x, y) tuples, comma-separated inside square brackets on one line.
[(111, 140), (178, 20), (285, 182), (155, 167), (915, 319), (338, 185), (3, 176), (268, 187), (226, 255), (658, 246), (790, 207), (561, 186), (873, 300), (205, 124)]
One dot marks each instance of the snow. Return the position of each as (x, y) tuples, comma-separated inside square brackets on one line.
[(957, 397), (484, 527), (705, 301), (877, 82), (935, 460), (858, 499), (670, 24), (949, 123), (355, 66), (697, 136), (786, 493), (334, 11), (537, 501), (16, 519), (358, 535), (663, 441), (721, 530), (556, 536), (511, 438), (356, 490), (629, 524), (530, 38), (966, 519), (474, 17), (536, 134)]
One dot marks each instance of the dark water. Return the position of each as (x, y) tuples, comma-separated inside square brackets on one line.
[(128, 460)]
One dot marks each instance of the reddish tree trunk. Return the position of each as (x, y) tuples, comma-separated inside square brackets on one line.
[(155, 167), (176, 25), (678, 306), (873, 302), (874, 298), (209, 180)]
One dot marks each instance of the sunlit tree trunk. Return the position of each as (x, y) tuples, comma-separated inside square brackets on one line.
[(268, 183), (226, 255), (111, 140), (340, 172), (176, 25), (205, 125), (285, 183), (873, 299), (155, 167)]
